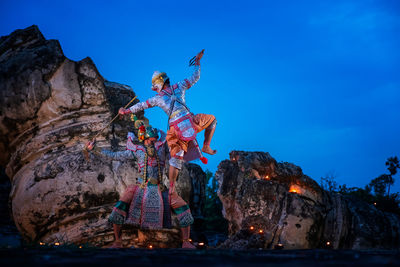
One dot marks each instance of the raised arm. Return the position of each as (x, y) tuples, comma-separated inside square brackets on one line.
[(187, 83)]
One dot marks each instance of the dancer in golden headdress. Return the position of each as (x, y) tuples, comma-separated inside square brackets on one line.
[(183, 125)]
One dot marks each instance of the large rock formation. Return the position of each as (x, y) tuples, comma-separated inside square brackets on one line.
[(274, 205), (50, 107)]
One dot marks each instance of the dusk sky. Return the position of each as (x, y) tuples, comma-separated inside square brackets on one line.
[(315, 83)]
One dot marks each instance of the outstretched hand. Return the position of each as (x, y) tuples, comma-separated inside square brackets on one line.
[(122, 111), (199, 55), (196, 59), (90, 145)]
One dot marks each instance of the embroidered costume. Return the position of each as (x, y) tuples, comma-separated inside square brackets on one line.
[(183, 125), (146, 203)]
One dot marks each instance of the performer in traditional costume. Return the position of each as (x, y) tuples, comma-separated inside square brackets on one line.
[(183, 125), (146, 204)]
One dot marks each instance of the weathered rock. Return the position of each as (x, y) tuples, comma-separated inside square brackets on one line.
[(50, 107), (291, 209)]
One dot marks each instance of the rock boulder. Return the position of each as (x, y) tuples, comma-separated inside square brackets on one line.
[(274, 205), (50, 107)]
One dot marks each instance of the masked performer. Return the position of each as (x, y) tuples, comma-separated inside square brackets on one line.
[(146, 204), (183, 125)]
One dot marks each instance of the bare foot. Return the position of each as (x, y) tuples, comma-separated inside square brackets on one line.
[(188, 245), (208, 150), (116, 244)]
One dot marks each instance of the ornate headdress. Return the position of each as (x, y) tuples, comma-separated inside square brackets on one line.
[(158, 80), (143, 131)]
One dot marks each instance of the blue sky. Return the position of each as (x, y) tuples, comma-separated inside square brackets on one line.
[(315, 83)]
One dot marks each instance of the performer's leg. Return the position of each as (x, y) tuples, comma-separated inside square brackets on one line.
[(186, 238), (117, 233), (185, 218), (208, 134), (175, 164), (173, 174), (119, 213), (178, 205), (208, 123)]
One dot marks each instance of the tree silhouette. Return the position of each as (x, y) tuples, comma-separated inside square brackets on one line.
[(374, 192), (393, 165), (329, 183), (380, 183)]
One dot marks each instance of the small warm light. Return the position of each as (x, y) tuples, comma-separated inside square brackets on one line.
[(251, 227), (328, 243), (190, 240), (150, 246), (280, 245), (41, 243), (374, 203), (260, 231), (266, 177), (295, 189), (56, 244), (80, 246), (201, 244)]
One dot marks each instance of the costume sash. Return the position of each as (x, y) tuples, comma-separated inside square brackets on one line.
[(184, 128)]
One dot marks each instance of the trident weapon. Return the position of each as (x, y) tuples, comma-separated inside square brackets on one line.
[(85, 149), (192, 61)]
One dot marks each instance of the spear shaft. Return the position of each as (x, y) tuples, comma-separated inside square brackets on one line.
[(85, 150), (116, 116)]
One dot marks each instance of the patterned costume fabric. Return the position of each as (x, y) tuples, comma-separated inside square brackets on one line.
[(146, 205), (183, 126), (164, 100)]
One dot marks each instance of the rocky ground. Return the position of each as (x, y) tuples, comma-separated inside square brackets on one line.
[(179, 257)]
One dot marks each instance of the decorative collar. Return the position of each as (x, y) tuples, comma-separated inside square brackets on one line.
[(168, 90)]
